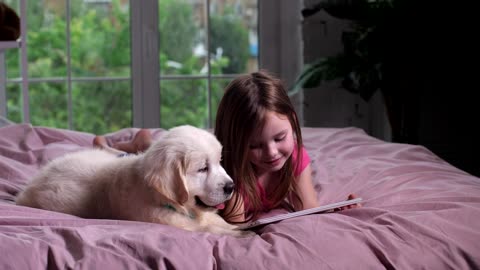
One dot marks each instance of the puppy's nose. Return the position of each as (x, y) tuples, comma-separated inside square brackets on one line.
[(228, 187)]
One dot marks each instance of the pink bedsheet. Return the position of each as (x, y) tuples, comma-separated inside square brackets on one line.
[(419, 212)]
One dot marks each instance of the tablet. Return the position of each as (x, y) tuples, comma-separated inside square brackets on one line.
[(316, 210)]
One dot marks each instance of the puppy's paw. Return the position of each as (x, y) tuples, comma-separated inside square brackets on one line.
[(241, 234), (246, 234)]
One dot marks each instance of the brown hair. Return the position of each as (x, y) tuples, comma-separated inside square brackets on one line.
[(240, 114)]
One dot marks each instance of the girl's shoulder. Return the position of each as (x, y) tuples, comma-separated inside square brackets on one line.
[(303, 161)]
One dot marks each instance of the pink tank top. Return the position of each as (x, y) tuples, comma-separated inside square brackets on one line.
[(304, 161)]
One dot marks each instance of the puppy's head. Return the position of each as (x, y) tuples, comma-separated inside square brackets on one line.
[(183, 165)]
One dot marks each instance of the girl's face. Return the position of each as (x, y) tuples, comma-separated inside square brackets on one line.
[(270, 149)]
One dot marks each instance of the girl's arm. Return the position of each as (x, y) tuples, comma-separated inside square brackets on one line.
[(306, 190), (308, 194), (238, 214)]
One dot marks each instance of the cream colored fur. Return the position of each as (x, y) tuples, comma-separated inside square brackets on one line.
[(158, 186)]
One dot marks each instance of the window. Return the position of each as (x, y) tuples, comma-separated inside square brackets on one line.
[(91, 67)]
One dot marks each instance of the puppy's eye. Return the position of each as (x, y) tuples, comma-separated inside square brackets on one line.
[(203, 170)]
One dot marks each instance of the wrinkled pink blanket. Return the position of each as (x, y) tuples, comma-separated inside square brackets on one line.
[(419, 212)]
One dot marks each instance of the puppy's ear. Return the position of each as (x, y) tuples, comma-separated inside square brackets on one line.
[(166, 173)]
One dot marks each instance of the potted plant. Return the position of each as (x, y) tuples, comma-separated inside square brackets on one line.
[(377, 55)]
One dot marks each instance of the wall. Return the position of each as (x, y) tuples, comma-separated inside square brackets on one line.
[(329, 105)]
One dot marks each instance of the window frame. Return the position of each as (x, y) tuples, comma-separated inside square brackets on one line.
[(278, 22)]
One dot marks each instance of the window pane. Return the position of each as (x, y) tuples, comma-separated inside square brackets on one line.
[(100, 38), (46, 39), (182, 37), (48, 104), (12, 63), (234, 35), (14, 102), (183, 102), (218, 88), (101, 107)]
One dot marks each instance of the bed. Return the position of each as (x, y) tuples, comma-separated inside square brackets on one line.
[(419, 212)]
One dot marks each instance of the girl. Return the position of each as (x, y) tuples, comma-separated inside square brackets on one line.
[(262, 148)]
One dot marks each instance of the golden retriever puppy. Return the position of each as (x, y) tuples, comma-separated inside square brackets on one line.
[(178, 181)]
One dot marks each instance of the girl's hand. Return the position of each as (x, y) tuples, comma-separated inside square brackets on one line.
[(350, 197)]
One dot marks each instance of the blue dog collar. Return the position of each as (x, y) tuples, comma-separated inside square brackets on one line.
[(124, 155)]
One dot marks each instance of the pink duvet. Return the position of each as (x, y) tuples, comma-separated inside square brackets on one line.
[(419, 212)]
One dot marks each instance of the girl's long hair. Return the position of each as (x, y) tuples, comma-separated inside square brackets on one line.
[(240, 114)]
